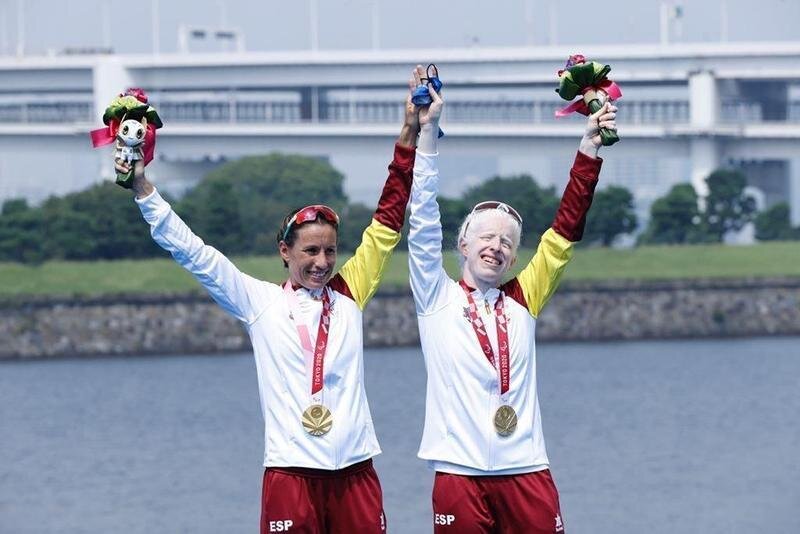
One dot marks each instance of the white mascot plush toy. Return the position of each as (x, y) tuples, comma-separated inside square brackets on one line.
[(130, 137)]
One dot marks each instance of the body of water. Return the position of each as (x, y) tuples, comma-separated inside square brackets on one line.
[(644, 438)]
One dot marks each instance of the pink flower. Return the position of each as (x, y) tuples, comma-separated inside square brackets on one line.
[(137, 93), (575, 59)]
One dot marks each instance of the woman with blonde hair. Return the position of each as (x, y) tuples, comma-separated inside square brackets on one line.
[(483, 430)]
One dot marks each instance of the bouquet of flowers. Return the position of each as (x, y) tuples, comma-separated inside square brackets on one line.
[(132, 123), (589, 80)]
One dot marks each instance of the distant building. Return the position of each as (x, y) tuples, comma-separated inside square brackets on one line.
[(687, 109)]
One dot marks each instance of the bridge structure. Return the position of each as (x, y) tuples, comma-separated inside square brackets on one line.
[(687, 109)]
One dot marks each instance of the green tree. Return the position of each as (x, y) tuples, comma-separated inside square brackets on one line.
[(728, 206), (215, 215), (20, 232), (12, 206), (265, 189), (452, 212), (354, 219), (612, 214), (536, 204), (101, 222), (774, 224), (66, 232), (674, 218)]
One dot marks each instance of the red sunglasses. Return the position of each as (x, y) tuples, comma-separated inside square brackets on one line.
[(310, 213)]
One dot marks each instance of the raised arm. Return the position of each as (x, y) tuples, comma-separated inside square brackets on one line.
[(538, 281), (425, 229), (239, 294), (361, 275)]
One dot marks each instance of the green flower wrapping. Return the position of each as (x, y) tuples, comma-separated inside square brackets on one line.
[(132, 108), (588, 80), (575, 78)]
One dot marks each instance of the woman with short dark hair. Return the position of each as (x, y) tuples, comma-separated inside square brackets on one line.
[(308, 344)]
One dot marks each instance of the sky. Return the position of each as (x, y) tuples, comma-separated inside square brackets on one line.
[(269, 25)]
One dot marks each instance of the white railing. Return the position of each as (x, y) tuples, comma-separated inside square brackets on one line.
[(793, 114), (500, 112), (237, 112), (45, 112), (740, 111), (255, 110)]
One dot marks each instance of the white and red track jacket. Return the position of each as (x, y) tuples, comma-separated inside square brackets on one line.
[(262, 307), (462, 388)]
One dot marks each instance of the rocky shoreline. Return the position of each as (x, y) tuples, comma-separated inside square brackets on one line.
[(52, 327)]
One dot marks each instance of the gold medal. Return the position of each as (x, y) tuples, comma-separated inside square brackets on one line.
[(317, 420), (505, 420)]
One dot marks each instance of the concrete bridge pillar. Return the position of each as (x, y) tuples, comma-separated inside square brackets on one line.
[(794, 191), (705, 154), (109, 78), (704, 112)]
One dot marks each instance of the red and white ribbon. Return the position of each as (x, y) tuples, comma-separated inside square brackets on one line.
[(502, 364), (314, 354)]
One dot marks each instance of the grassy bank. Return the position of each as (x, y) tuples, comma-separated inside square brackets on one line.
[(644, 263)]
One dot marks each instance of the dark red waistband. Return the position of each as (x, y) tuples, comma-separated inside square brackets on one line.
[(324, 473)]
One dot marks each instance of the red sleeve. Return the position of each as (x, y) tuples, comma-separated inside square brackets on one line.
[(513, 290), (392, 204), (577, 198), (339, 284)]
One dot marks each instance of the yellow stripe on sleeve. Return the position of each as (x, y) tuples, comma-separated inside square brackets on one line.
[(541, 276), (364, 271)]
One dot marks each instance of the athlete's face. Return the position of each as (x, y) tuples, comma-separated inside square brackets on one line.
[(312, 256), (489, 248)]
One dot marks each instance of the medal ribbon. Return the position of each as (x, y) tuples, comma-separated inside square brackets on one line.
[(483, 338), (315, 354)]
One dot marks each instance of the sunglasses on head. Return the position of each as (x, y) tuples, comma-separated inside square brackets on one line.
[(310, 213), (495, 205)]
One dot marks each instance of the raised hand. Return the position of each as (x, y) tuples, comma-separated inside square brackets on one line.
[(411, 111), (141, 186), (604, 118), (428, 115)]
